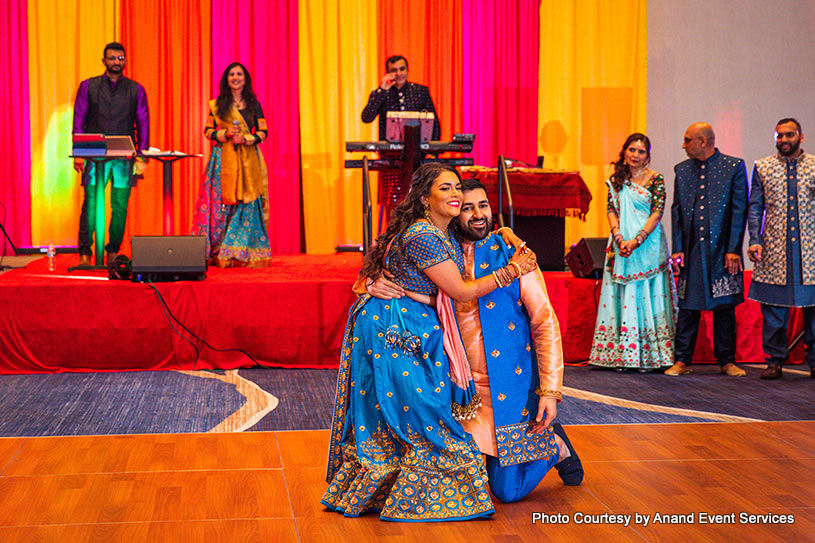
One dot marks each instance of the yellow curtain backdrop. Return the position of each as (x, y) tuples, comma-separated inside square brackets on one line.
[(66, 39), (338, 68), (592, 92)]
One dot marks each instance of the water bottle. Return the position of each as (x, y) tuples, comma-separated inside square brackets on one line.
[(52, 253)]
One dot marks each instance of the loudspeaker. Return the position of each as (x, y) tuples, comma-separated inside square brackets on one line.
[(168, 258), (587, 257), (545, 235)]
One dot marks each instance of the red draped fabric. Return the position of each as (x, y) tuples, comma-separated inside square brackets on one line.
[(168, 52), (263, 36), (119, 325), (15, 155), (536, 191), (500, 78)]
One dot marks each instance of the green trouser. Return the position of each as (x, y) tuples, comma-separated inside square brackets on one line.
[(117, 171)]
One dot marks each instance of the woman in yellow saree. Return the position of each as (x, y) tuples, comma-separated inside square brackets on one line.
[(233, 207)]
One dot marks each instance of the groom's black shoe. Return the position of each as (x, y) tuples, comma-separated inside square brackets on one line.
[(570, 469)]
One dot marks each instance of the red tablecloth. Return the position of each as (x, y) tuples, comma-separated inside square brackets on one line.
[(537, 191)]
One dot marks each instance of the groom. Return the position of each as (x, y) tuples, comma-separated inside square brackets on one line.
[(513, 344)]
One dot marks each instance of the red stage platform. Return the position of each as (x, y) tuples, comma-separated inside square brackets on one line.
[(291, 314)]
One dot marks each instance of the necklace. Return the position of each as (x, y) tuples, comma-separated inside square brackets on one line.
[(635, 174)]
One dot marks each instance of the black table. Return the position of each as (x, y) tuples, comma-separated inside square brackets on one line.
[(167, 159)]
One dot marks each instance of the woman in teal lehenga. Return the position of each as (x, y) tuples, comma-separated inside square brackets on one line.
[(636, 315), (397, 447)]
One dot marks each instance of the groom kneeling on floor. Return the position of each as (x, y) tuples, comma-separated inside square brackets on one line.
[(508, 334)]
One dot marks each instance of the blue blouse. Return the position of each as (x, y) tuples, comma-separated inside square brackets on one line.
[(424, 246)]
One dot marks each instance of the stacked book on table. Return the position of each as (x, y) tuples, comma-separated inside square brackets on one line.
[(88, 145)]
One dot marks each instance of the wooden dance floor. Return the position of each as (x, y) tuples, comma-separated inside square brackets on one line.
[(266, 486)]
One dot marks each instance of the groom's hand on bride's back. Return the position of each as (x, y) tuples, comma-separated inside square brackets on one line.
[(383, 288)]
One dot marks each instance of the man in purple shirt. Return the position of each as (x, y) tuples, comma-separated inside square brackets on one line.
[(113, 105)]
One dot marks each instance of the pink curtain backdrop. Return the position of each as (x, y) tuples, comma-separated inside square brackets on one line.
[(500, 80), (263, 37), (15, 155)]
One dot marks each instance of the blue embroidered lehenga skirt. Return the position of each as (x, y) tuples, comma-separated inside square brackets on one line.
[(395, 447), (235, 231)]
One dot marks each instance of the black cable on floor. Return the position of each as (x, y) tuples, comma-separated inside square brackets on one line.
[(166, 308), (165, 311)]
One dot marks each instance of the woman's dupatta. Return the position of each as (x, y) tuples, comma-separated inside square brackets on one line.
[(466, 400), (633, 205), (243, 170)]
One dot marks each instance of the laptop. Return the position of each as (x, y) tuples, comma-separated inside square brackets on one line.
[(169, 254), (119, 146), (396, 120)]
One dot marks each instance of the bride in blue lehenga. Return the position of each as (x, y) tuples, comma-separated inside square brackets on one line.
[(397, 447)]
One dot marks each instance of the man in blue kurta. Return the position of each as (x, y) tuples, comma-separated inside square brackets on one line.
[(513, 345), (708, 217), (782, 243)]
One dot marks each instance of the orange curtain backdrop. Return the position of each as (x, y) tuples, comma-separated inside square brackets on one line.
[(591, 92), (338, 57), (427, 33), (169, 52), (66, 41)]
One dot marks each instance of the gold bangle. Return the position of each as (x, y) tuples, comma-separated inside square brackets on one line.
[(549, 393), (497, 282), (520, 271)]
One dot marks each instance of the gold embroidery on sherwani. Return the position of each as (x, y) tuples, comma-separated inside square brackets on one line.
[(772, 268)]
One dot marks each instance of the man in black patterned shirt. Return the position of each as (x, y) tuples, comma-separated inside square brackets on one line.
[(397, 94)]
